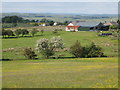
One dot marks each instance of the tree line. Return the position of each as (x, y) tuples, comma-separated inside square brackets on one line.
[(16, 19), (22, 32), (18, 32)]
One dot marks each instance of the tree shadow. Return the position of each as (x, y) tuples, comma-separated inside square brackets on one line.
[(38, 35), (62, 57), (6, 59)]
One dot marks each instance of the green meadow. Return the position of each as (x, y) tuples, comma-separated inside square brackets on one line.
[(60, 73), (109, 44), (67, 73)]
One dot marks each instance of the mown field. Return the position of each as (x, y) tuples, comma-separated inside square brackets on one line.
[(67, 73), (60, 73)]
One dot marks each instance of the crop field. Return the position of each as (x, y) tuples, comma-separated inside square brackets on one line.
[(60, 73)]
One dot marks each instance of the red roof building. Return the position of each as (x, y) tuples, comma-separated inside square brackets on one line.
[(72, 27)]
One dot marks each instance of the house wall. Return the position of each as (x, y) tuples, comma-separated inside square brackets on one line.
[(71, 28)]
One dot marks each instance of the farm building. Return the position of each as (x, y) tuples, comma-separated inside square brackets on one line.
[(72, 27), (80, 26), (110, 23), (104, 26), (100, 26)]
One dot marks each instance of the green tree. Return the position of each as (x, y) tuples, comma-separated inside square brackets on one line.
[(34, 31), (12, 19), (10, 33), (118, 24), (4, 32), (17, 32), (93, 51), (76, 49), (24, 32), (51, 23)]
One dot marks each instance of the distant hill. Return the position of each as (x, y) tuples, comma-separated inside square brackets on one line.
[(61, 16)]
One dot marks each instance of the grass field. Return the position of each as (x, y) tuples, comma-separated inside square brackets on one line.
[(109, 45), (60, 73), (67, 73)]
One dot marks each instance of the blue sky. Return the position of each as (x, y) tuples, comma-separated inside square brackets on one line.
[(61, 7), (60, 0)]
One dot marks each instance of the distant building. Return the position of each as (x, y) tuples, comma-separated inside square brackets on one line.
[(43, 24), (101, 26), (72, 27), (55, 24), (110, 23)]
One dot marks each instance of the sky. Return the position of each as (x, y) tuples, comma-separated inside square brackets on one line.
[(61, 7), (60, 0)]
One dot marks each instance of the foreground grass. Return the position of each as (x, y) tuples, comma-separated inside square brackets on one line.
[(61, 73)]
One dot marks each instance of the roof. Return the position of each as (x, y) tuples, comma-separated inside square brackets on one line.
[(73, 26), (86, 23)]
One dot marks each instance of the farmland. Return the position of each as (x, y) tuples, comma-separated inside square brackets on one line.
[(109, 44), (59, 45), (60, 73)]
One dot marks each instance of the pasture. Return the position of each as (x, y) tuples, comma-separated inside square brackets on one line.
[(12, 47), (60, 73)]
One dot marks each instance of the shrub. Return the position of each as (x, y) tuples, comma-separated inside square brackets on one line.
[(76, 49), (29, 53), (42, 31), (55, 32), (92, 51), (86, 52)]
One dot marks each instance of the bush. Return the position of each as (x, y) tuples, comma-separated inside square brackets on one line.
[(76, 49), (93, 51), (42, 31), (55, 32), (86, 52), (29, 53)]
